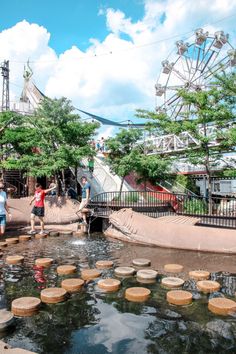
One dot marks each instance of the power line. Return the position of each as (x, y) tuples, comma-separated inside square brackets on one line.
[(111, 52)]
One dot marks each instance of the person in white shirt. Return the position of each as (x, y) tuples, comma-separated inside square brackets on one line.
[(3, 209)]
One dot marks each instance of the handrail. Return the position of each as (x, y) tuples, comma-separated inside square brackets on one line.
[(219, 212)]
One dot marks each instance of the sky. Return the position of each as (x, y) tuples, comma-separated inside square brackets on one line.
[(104, 55)]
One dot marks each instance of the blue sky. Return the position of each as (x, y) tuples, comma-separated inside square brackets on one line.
[(97, 52), (70, 22)]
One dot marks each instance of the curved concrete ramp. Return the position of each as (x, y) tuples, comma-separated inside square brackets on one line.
[(57, 210), (171, 232)]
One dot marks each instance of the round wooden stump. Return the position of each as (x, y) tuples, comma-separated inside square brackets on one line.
[(79, 233), (6, 319), (222, 306), (53, 295), (39, 236), (24, 238), (208, 286), (172, 282), (25, 306), (146, 274), (72, 285), (124, 271), (109, 284), (146, 281), (3, 244), (173, 268), (66, 269), (66, 233), (137, 294), (44, 262), (12, 240), (199, 275), (14, 259), (87, 274), (54, 233), (104, 264), (179, 297), (141, 262)]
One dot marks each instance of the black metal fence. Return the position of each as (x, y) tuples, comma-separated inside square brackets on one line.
[(220, 212)]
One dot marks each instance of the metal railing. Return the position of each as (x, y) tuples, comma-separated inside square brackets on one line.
[(153, 204), (220, 212)]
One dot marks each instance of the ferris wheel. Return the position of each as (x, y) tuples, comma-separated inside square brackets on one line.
[(192, 67)]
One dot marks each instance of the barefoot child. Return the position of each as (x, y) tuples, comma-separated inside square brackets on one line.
[(38, 209)]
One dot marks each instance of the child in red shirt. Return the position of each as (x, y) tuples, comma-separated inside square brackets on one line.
[(38, 209)]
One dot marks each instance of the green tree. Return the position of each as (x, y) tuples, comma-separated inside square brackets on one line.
[(123, 152), (126, 155), (210, 120), (48, 142)]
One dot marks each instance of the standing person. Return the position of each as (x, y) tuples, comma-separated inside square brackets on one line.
[(85, 198), (3, 209), (38, 209), (91, 165)]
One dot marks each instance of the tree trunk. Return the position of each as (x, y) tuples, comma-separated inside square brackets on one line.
[(76, 178), (208, 173), (121, 185), (58, 184)]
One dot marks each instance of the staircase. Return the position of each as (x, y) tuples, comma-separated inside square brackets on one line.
[(101, 180), (13, 182)]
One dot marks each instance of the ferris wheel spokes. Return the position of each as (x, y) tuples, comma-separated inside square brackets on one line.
[(193, 69)]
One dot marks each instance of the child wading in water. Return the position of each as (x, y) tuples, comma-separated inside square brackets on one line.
[(38, 209), (85, 199)]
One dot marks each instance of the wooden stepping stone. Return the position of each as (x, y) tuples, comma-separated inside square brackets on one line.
[(3, 244), (199, 275), (146, 281), (208, 286), (88, 274), (172, 282), (137, 294), (25, 306), (6, 319), (141, 262), (66, 269), (146, 274), (14, 259), (39, 236), (104, 264), (124, 271), (222, 306), (24, 238), (72, 285), (66, 233), (173, 268), (109, 284), (44, 262), (54, 233), (79, 233), (179, 297), (53, 295), (12, 240)]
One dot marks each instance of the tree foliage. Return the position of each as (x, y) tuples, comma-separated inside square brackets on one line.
[(126, 155), (210, 120), (53, 139)]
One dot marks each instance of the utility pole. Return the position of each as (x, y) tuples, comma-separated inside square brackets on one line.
[(5, 85)]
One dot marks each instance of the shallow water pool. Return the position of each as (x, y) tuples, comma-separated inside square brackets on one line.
[(99, 323)]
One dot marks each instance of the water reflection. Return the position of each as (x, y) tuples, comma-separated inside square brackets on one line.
[(95, 322)]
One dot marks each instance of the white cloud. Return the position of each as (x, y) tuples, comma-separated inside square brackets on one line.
[(115, 76)]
